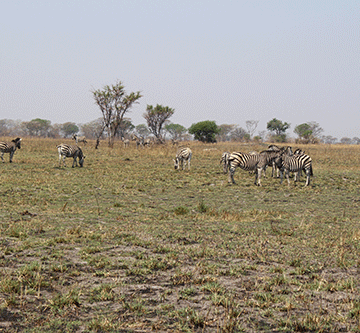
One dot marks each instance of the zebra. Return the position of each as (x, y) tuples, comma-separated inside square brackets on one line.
[(247, 162), (9, 147), (225, 161), (125, 141), (295, 163), (139, 141), (147, 142), (79, 139), (183, 155), (70, 151), (268, 158)]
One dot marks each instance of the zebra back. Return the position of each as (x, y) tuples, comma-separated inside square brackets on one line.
[(244, 161)]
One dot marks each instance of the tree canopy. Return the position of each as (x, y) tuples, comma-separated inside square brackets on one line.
[(204, 131), (155, 118), (176, 131), (114, 103), (278, 128)]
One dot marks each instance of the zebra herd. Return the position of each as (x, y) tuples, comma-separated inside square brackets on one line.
[(283, 159)]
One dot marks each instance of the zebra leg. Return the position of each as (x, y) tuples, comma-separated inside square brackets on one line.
[(74, 161), (307, 177), (2, 154), (189, 164), (231, 175), (281, 176), (258, 176), (287, 176), (11, 156)]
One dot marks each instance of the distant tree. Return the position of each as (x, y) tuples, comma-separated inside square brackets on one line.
[(114, 103), (204, 131), (251, 126), (345, 141), (315, 128), (356, 140), (304, 131), (55, 131), (329, 139), (155, 118), (38, 127), (69, 129), (176, 131), (239, 134), (142, 130), (92, 129), (125, 128), (278, 128), (225, 131)]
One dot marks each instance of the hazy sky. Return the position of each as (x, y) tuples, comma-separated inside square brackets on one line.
[(228, 61)]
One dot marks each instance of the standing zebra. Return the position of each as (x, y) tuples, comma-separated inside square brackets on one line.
[(139, 141), (183, 155), (70, 151), (79, 139), (9, 147), (247, 162), (295, 163), (125, 141), (268, 158)]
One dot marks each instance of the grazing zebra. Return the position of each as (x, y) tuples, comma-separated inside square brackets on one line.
[(79, 139), (183, 155), (295, 163), (225, 161), (247, 162), (9, 147), (125, 141), (70, 151)]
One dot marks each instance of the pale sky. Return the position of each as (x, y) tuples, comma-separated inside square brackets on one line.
[(227, 61)]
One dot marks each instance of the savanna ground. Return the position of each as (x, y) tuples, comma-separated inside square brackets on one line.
[(128, 244)]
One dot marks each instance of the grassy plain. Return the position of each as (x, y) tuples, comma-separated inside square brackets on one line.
[(128, 244)]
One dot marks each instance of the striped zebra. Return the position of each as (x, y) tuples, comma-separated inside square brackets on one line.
[(183, 155), (295, 163), (247, 162), (70, 151), (79, 139), (9, 147), (225, 161), (125, 141), (139, 141), (268, 158)]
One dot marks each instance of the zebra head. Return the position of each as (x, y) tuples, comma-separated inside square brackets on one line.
[(81, 158), (176, 163), (17, 142)]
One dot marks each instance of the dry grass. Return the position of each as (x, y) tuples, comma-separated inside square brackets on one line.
[(128, 244)]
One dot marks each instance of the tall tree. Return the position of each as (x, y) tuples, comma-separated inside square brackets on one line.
[(204, 131), (279, 128), (251, 126), (304, 131), (155, 118), (114, 103)]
